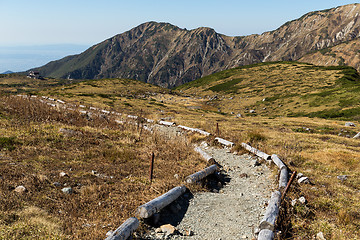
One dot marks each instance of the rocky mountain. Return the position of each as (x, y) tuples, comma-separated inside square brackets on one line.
[(347, 53), (166, 55)]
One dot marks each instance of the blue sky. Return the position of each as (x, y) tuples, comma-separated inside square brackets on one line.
[(82, 23), (87, 22)]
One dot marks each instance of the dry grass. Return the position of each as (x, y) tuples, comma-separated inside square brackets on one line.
[(101, 201), (322, 153)]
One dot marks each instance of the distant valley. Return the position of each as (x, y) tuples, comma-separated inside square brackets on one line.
[(168, 56)]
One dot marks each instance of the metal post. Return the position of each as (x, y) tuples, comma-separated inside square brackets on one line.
[(151, 167)]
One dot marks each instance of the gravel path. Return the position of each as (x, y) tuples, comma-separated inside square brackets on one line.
[(234, 211)]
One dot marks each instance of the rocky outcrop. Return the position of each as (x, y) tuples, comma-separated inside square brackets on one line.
[(166, 55)]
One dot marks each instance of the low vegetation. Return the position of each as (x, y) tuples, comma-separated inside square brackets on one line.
[(105, 164), (299, 113)]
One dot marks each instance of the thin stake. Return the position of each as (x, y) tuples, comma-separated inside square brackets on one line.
[(288, 185), (217, 130), (151, 167)]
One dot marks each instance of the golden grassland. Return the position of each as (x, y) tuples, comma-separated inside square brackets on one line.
[(34, 152), (321, 149)]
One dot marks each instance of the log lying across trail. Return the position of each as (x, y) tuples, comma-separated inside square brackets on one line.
[(148, 209), (125, 230)]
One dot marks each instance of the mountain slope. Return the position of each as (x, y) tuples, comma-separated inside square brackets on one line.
[(347, 53), (166, 55), (281, 89)]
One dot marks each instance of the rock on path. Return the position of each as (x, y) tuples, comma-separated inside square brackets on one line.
[(236, 211)]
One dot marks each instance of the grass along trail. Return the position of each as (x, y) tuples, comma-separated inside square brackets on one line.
[(233, 211)]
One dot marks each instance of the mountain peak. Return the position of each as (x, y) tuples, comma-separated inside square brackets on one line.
[(167, 55)]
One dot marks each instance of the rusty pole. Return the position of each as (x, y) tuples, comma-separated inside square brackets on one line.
[(288, 185), (151, 167)]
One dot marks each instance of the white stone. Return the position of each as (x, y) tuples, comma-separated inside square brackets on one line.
[(63, 174), (67, 190), (20, 189), (320, 236), (304, 180), (302, 200), (349, 124)]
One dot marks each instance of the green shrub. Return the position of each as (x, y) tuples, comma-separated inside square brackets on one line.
[(7, 143)]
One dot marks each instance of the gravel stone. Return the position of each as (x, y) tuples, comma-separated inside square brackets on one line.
[(238, 207)]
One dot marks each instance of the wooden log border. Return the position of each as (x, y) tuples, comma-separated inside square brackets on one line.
[(125, 230), (256, 151), (204, 154), (267, 224), (148, 209), (224, 142), (193, 178)]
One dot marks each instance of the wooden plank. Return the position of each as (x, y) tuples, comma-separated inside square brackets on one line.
[(148, 209), (266, 234), (272, 212), (277, 161), (256, 151), (201, 174), (125, 230), (224, 142), (203, 154), (283, 180)]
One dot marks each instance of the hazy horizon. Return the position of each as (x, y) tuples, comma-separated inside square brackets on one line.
[(22, 58)]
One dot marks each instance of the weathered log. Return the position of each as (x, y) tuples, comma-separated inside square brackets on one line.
[(148, 209), (185, 128), (195, 130), (256, 151), (202, 132), (277, 161), (167, 123), (266, 234), (272, 212), (132, 116), (283, 180), (125, 230), (205, 155), (224, 142), (201, 174)]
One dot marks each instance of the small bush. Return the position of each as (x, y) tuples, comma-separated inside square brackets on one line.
[(255, 136), (7, 143)]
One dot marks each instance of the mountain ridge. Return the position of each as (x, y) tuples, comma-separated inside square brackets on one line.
[(168, 56)]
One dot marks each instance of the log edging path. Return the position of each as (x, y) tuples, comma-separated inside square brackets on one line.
[(267, 224)]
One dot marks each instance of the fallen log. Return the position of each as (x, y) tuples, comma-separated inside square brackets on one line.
[(266, 234), (148, 209), (125, 230), (205, 155), (195, 130), (167, 123), (201, 174), (283, 180), (256, 151), (272, 212), (277, 161), (224, 142)]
